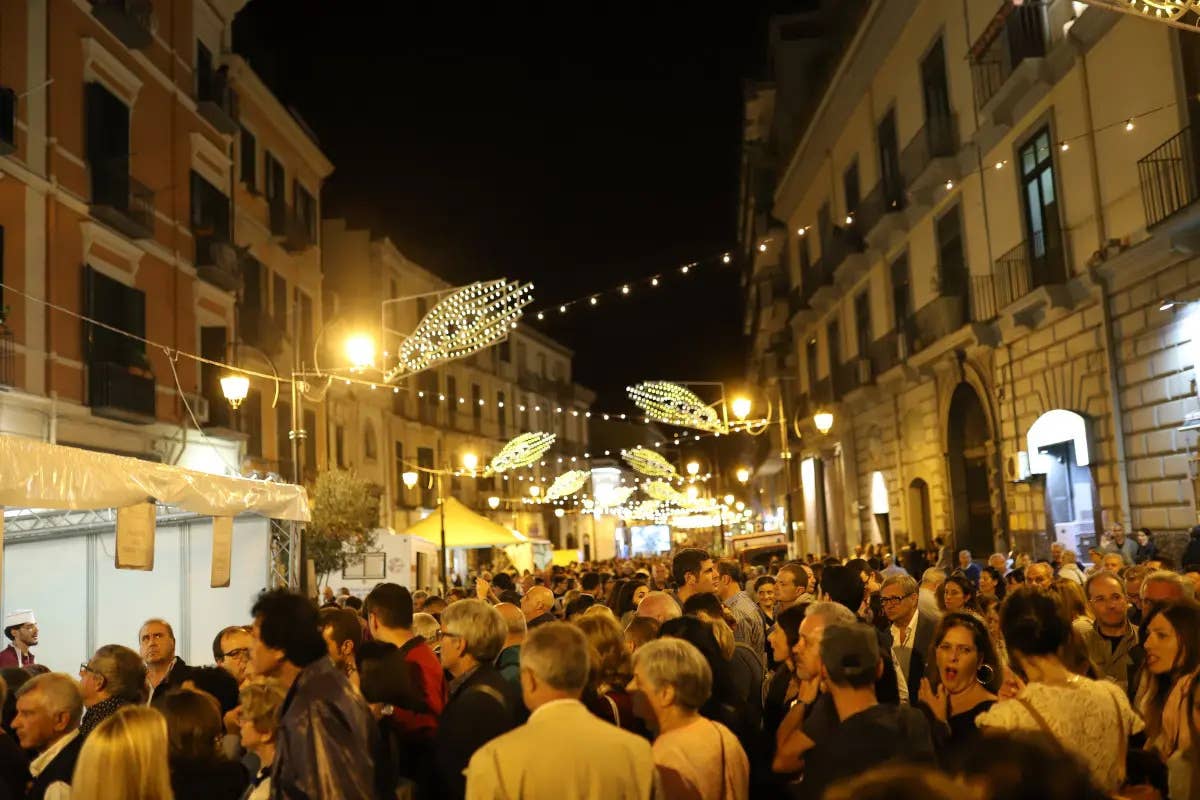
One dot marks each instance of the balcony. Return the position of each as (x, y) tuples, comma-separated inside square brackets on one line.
[(277, 211), (1031, 265), (217, 102), (8, 121), (1016, 34), (857, 373), (1168, 178), (935, 320), (884, 352), (131, 21), (217, 261), (297, 235), (259, 329), (116, 391), (8, 357), (929, 159), (121, 202), (880, 214)]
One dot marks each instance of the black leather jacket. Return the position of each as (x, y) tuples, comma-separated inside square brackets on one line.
[(325, 739)]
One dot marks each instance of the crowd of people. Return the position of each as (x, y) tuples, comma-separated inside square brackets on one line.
[(680, 677)]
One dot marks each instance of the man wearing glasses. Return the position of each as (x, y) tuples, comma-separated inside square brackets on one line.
[(231, 651), (911, 631)]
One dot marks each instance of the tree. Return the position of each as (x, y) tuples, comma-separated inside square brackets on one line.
[(345, 512)]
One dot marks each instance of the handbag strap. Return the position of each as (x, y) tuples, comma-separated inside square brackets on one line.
[(615, 711), (1122, 736), (721, 740), (1039, 719)]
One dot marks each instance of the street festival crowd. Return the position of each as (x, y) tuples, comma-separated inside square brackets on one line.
[(930, 674)]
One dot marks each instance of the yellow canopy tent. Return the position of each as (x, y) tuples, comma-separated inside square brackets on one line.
[(563, 558), (464, 528)]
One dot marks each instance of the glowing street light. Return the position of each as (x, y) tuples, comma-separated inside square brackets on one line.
[(360, 351), (728, 499), (743, 475), (535, 490), (493, 502), (470, 461), (739, 505), (235, 388), (693, 468), (410, 479), (693, 492), (824, 421), (560, 513), (741, 407)]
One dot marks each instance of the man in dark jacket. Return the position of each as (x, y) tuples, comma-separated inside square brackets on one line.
[(326, 733), (844, 586), (49, 708), (482, 703), (911, 632)]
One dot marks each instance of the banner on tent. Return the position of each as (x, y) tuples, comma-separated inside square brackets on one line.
[(135, 537), (222, 552)]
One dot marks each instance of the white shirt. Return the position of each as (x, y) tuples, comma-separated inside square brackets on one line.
[(903, 637), (59, 790)]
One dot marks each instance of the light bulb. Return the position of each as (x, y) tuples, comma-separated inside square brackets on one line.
[(741, 407), (624, 290), (1064, 146), (823, 420), (999, 165), (493, 502), (725, 258), (743, 475), (684, 269), (654, 281), (949, 185), (470, 461), (1129, 125), (762, 248), (593, 301), (562, 309)]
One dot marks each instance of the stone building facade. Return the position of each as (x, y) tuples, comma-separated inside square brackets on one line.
[(978, 257)]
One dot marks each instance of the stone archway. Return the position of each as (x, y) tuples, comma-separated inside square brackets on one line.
[(920, 522), (967, 456)]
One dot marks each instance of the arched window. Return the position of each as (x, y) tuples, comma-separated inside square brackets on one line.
[(920, 528), (370, 444)]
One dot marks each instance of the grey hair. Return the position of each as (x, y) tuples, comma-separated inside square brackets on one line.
[(831, 613), (933, 575), (671, 606), (905, 582), (966, 553), (1069, 556), (557, 653), (675, 663), (479, 625), (426, 626), (1166, 576), (123, 671), (60, 695)]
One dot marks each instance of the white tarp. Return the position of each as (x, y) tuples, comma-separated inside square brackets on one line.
[(35, 474)]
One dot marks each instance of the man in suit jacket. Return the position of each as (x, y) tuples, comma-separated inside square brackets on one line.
[(911, 632), (563, 751), (49, 708)]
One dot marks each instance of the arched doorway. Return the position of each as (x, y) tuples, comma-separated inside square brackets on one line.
[(967, 461), (1059, 445), (920, 523)]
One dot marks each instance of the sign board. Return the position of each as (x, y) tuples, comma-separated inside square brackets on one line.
[(222, 552), (135, 537)]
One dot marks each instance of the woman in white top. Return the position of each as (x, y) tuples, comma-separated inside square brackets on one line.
[(1090, 719), (697, 758), (1167, 691)]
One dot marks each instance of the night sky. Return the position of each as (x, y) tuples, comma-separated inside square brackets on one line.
[(577, 150)]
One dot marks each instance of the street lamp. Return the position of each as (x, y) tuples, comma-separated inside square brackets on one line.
[(360, 351), (693, 468), (743, 474), (410, 479), (535, 490), (741, 407), (824, 421), (560, 513), (693, 492), (728, 499), (470, 461), (235, 388), (493, 502)]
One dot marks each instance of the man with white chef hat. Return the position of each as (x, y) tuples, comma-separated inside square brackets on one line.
[(22, 631)]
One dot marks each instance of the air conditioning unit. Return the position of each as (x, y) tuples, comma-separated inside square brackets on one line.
[(1016, 467), (864, 371), (199, 406)]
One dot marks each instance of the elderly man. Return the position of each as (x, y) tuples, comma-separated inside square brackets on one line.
[(931, 580), (47, 722), (1120, 544), (969, 567), (1111, 641), (1163, 586), (749, 629), (998, 561), (508, 663), (563, 744), (163, 668), (538, 606), (482, 703), (21, 629), (1040, 575), (115, 676), (659, 606), (231, 651), (1069, 569), (1112, 562), (912, 631)]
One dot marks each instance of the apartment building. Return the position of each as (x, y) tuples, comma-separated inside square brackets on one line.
[(978, 257), (433, 419)]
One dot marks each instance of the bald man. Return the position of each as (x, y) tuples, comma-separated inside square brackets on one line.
[(508, 663), (538, 607), (659, 606)]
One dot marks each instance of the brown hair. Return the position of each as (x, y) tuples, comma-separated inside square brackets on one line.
[(193, 723), (608, 658)]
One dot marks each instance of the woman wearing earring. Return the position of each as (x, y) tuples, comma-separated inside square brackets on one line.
[(968, 677)]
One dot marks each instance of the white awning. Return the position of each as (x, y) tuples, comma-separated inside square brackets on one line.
[(35, 474)]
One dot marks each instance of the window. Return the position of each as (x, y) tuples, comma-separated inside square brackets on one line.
[(862, 323), (273, 177), (833, 341), (522, 357), (213, 347), (108, 147), (851, 188), (254, 287), (204, 71), (901, 293), (810, 362), (505, 351), (425, 462), (310, 441), (279, 300), (477, 406), (452, 399), (825, 229), (889, 162), (952, 260), (210, 212), (1041, 210), (400, 469), (249, 160), (306, 210), (283, 442), (501, 414), (339, 446), (306, 323), (367, 567), (250, 423), (541, 360), (119, 306), (935, 88), (370, 443), (422, 308)]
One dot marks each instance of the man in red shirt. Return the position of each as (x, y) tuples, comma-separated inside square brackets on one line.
[(21, 629), (389, 610)]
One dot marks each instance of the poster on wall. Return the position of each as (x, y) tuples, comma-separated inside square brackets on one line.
[(222, 552), (135, 537)]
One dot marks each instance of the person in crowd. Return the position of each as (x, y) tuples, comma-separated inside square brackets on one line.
[(428, 628), (639, 631), (931, 581), (1040, 575), (1110, 638), (198, 770), (49, 708), (343, 634), (1132, 580), (1074, 602), (748, 627), (844, 585), (1014, 579), (112, 678), (660, 577), (896, 782), (744, 664), (868, 732), (589, 584), (660, 607), (1164, 586), (724, 704), (991, 583), (508, 663), (610, 669), (14, 763), (231, 650), (627, 599), (793, 585), (482, 704), (998, 562), (911, 633), (696, 757), (215, 682), (21, 630), (1025, 765), (991, 618), (434, 606), (538, 607), (1069, 568), (563, 751), (968, 677), (258, 722), (764, 595), (968, 567), (578, 605), (957, 593), (390, 619), (693, 571), (1092, 719), (1166, 695), (1112, 562), (156, 638), (1119, 544), (325, 727), (125, 758)]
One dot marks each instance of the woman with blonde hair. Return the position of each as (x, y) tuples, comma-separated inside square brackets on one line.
[(610, 671), (125, 758), (258, 720)]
